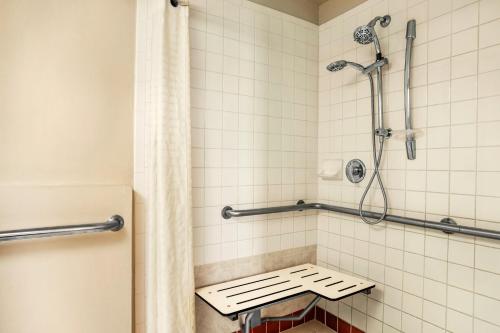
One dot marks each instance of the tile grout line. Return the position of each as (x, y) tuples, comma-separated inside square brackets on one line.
[(473, 315)]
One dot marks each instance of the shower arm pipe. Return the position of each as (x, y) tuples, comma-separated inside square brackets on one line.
[(384, 22), (376, 44), (411, 149), (375, 20), (446, 225)]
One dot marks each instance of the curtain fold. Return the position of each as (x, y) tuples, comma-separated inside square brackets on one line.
[(169, 252)]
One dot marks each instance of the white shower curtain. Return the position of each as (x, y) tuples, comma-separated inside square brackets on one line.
[(169, 263)]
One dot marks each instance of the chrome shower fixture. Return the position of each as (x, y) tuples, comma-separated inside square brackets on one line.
[(384, 21), (355, 170), (366, 34), (337, 66), (341, 64), (411, 145), (376, 65)]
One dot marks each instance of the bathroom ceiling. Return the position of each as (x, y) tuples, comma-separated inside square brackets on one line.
[(315, 11)]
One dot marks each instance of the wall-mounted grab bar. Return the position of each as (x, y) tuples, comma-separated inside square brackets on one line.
[(411, 147), (446, 225), (114, 223)]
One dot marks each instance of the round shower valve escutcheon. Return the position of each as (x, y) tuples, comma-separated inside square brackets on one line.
[(355, 171)]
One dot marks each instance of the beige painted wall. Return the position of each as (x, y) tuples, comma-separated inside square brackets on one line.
[(76, 284), (66, 93), (66, 114)]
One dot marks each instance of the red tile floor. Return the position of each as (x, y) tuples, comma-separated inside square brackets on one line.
[(322, 316)]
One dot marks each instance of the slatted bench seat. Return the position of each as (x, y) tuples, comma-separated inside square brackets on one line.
[(251, 294)]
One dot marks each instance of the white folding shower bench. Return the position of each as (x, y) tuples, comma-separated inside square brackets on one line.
[(248, 296)]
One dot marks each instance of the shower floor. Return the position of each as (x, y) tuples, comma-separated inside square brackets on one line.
[(311, 327)]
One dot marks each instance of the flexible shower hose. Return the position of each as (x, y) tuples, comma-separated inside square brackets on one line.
[(376, 163)]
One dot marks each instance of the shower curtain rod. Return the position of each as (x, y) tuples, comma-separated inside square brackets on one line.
[(446, 225)]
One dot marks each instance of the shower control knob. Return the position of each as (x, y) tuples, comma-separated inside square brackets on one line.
[(355, 171)]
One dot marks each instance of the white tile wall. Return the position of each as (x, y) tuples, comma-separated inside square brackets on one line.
[(426, 281), (254, 104), (254, 88)]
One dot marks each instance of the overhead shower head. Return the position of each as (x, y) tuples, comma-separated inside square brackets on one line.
[(341, 64), (364, 34)]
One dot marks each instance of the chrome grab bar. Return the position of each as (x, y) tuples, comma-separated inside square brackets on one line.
[(114, 223), (446, 225), (411, 147)]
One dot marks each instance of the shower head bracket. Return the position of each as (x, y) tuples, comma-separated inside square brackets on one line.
[(384, 21), (383, 132)]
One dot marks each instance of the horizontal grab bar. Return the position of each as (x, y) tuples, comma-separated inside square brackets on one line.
[(114, 223), (446, 225)]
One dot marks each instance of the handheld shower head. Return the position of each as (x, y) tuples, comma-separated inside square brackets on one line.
[(341, 64), (337, 66)]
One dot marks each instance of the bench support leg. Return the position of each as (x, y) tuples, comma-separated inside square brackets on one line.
[(298, 317), (252, 319)]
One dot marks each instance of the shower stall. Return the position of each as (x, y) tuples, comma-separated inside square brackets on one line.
[(250, 166), (353, 145)]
